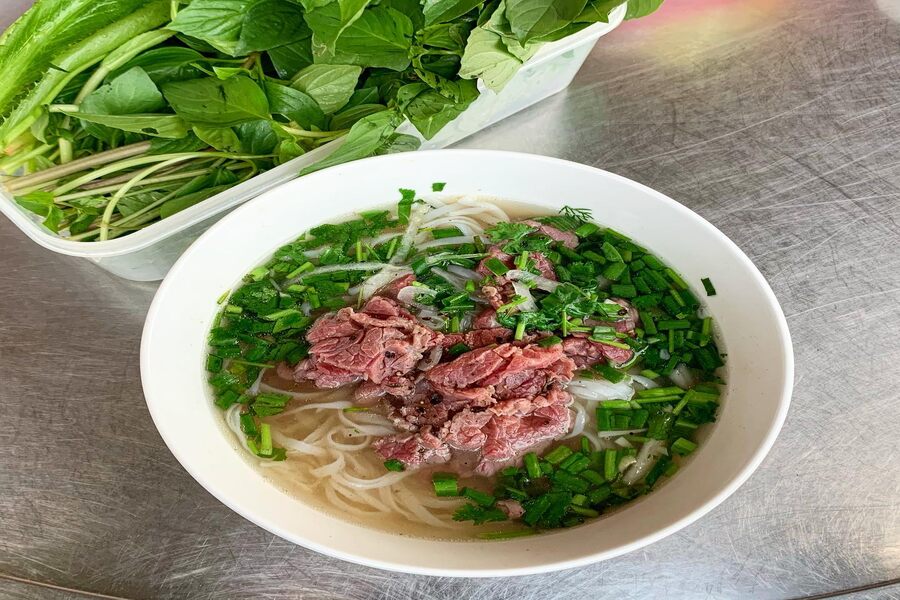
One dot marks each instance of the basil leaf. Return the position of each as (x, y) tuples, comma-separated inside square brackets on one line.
[(429, 111), (487, 58), (131, 92), (328, 20), (295, 105), (441, 11), (400, 142), (42, 204), (290, 58), (531, 19), (257, 137), (641, 8), (380, 37), (216, 22), (597, 11), (221, 138), (411, 8), (348, 116), (329, 85), (168, 63), (366, 138), (269, 24), (213, 102)]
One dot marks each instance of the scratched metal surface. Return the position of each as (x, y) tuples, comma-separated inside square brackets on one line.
[(774, 119)]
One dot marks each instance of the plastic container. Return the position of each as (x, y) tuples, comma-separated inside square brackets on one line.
[(147, 255)]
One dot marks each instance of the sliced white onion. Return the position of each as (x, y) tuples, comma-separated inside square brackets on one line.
[(464, 272), (542, 283), (381, 279), (409, 294), (522, 290), (416, 215), (626, 462), (601, 389), (579, 420), (683, 377), (623, 443), (305, 308), (432, 319), (458, 283), (644, 461), (645, 381)]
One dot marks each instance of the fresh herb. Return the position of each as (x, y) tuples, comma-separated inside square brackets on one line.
[(120, 114), (708, 286), (394, 465)]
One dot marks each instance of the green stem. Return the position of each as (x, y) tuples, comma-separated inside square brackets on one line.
[(88, 162), (143, 160), (12, 163), (111, 205), (119, 57), (99, 191), (65, 151)]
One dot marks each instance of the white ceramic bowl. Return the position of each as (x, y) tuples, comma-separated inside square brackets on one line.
[(750, 323)]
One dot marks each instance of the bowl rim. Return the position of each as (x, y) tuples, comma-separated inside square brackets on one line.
[(779, 322)]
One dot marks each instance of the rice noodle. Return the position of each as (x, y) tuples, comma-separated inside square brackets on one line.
[(450, 241), (542, 283), (409, 294), (456, 281)]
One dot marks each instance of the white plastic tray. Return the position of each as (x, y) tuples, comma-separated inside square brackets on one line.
[(147, 255)]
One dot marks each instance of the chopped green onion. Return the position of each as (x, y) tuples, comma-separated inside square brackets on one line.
[(649, 374), (265, 439), (549, 341), (623, 290), (600, 494), (470, 285), (248, 425), (445, 232), (674, 324), (222, 298), (520, 329), (585, 512), (708, 286), (438, 186), (614, 270), (531, 465), (522, 261), (496, 266), (355, 409), (258, 274), (683, 446), (676, 279), (610, 465), (610, 374), (558, 454), (514, 301), (506, 535), (454, 324), (610, 252), (457, 349), (586, 229), (445, 484), (393, 464), (615, 404), (213, 363), (478, 497), (593, 256)]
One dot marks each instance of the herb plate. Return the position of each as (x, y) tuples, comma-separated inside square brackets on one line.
[(147, 255), (751, 328)]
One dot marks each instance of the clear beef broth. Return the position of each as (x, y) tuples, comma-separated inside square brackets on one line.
[(328, 445)]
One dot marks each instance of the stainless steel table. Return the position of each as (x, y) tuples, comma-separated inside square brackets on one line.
[(777, 120)]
